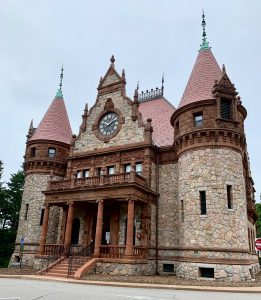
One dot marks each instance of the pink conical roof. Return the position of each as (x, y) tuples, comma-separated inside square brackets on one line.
[(55, 125), (202, 78)]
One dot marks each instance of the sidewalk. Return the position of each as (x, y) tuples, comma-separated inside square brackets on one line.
[(141, 285)]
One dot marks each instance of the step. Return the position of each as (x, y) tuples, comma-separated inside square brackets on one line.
[(55, 274)]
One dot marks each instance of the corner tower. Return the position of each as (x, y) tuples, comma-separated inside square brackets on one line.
[(211, 147), (47, 148)]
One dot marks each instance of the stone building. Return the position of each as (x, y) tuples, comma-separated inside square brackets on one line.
[(144, 188)]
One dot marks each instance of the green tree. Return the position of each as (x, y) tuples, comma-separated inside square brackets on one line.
[(10, 202), (258, 222)]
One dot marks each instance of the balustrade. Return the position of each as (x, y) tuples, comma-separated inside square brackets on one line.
[(96, 181)]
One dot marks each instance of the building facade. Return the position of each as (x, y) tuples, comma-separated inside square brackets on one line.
[(144, 187)]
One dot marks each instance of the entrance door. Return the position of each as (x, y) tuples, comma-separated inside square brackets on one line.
[(106, 238), (75, 231)]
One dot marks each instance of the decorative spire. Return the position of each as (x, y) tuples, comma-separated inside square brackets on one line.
[(162, 83), (59, 93), (204, 45), (30, 130), (138, 85)]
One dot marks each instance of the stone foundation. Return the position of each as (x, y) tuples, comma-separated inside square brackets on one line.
[(128, 269), (225, 273)]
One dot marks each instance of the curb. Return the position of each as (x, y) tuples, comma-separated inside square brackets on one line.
[(141, 285)]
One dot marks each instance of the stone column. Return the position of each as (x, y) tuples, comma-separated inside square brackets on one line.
[(44, 229), (130, 224), (98, 234), (68, 232), (63, 226)]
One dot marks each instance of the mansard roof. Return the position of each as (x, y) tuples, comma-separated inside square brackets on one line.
[(160, 111), (55, 125), (202, 78)]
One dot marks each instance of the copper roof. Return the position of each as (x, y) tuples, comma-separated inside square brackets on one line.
[(55, 125), (160, 111), (202, 78)]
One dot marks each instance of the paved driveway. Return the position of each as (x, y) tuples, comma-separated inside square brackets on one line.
[(20, 289)]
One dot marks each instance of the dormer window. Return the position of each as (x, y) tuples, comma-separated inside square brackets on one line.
[(198, 119), (51, 152), (225, 109)]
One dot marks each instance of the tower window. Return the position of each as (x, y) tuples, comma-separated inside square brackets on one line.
[(229, 197), (203, 202), (198, 119), (139, 168), (182, 211), (26, 211), (42, 217), (225, 109), (79, 174), (51, 152), (176, 128), (33, 151)]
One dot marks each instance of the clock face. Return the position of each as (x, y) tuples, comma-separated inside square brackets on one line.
[(109, 123)]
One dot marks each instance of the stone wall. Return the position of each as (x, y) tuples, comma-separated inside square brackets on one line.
[(123, 268), (129, 133), (226, 273), (212, 170), (30, 228), (168, 207)]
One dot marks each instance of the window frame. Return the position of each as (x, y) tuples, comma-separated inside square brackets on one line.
[(229, 189), (198, 123), (50, 153), (203, 202)]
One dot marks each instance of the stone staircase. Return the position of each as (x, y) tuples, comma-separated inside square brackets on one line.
[(61, 268)]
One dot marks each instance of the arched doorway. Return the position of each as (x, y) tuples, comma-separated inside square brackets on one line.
[(75, 231)]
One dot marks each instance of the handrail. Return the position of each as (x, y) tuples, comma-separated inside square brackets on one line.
[(102, 180)]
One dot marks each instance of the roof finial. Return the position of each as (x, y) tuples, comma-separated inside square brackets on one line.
[(162, 83), (138, 85), (112, 60), (59, 93), (204, 44)]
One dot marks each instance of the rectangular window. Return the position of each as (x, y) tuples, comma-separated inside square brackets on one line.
[(203, 203), (182, 211), (168, 268), (139, 168), (225, 109), (99, 171), (206, 272), (229, 197), (51, 152), (110, 170), (79, 174), (33, 151), (198, 119), (127, 168), (85, 173), (26, 211), (42, 217)]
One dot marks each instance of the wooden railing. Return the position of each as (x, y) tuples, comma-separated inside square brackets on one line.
[(140, 252), (102, 180), (61, 249), (117, 251), (109, 251)]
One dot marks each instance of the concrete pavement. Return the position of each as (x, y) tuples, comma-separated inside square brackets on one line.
[(141, 285)]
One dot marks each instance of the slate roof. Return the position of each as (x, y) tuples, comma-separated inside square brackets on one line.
[(55, 125), (201, 81), (160, 111)]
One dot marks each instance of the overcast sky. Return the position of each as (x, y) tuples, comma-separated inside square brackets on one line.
[(147, 37)]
